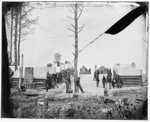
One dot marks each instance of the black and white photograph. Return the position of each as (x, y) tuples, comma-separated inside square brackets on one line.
[(75, 60)]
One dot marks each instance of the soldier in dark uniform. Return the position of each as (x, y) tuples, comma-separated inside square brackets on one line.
[(47, 82), (11, 73), (69, 80), (53, 81), (79, 85), (56, 80), (94, 76), (109, 74), (103, 81), (60, 78), (109, 81), (97, 78), (119, 82), (114, 82)]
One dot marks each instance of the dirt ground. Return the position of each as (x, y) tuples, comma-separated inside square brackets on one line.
[(121, 104)]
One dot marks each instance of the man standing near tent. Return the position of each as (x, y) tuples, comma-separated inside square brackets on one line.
[(96, 77), (103, 81)]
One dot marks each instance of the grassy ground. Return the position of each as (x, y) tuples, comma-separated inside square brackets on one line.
[(127, 104)]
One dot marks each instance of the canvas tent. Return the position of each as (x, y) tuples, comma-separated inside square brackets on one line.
[(102, 70)]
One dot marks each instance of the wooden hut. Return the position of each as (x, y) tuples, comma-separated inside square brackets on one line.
[(130, 75)]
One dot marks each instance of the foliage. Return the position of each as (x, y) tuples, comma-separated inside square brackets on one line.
[(84, 108)]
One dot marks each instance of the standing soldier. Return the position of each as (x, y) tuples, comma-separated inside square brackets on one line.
[(56, 80), (97, 78), (11, 73), (109, 74), (95, 69), (114, 82), (60, 78), (94, 75), (79, 85), (67, 84), (103, 81), (53, 81), (119, 82), (69, 80)]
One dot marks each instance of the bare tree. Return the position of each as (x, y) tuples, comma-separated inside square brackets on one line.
[(76, 10), (15, 39), (21, 27), (13, 12), (24, 24), (19, 35), (6, 109)]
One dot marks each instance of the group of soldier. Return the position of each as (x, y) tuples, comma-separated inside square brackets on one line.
[(67, 81), (52, 80), (108, 80)]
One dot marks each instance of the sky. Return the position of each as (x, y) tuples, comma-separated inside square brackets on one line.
[(51, 35)]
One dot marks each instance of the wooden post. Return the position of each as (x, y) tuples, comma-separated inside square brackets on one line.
[(147, 45), (45, 105), (21, 73)]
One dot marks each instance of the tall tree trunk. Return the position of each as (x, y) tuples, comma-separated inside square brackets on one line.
[(19, 37), (6, 109), (76, 48), (15, 40), (147, 45), (11, 36)]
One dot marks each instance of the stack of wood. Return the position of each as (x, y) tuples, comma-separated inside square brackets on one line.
[(131, 80), (30, 85)]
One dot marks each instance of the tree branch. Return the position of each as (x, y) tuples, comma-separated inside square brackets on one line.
[(71, 30), (70, 17), (22, 39), (24, 34), (73, 26), (81, 10), (81, 7), (73, 53), (9, 27), (80, 29), (71, 36), (71, 11), (73, 8)]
